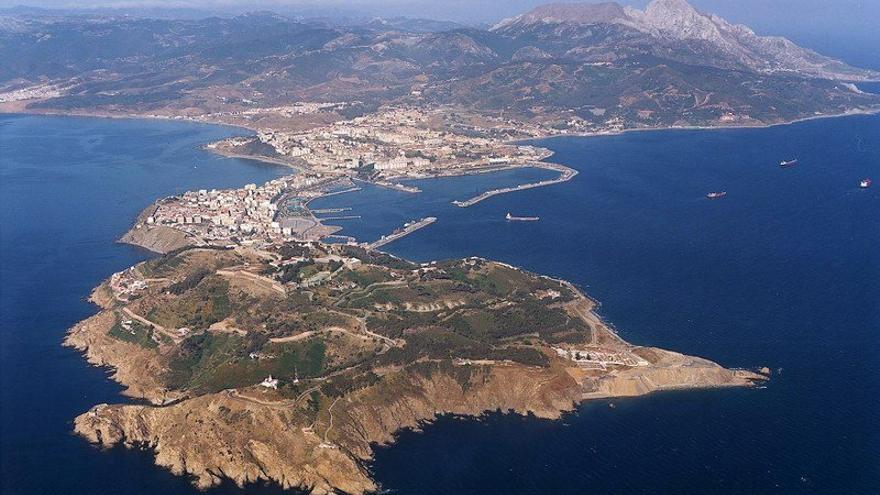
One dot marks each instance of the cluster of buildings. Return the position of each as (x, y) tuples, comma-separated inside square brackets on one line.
[(299, 108), (126, 284), (247, 214), (32, 92), (247, 110), (397, 141), (393, 143), (600, 358)]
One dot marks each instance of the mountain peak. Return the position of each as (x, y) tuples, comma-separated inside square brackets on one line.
[(677, 6), (676, 26), (569, 13), (678, 19)]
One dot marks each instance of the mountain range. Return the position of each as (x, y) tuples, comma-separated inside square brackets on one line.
[(669, 64), (679, 31)]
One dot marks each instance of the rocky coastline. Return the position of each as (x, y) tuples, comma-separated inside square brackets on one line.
[(243, 435)]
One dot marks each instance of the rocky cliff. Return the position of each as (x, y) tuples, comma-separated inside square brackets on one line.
[(355, 367), (157, 238), (227, 436), (675, 26)]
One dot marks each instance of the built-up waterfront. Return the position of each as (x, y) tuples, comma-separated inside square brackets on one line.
[(383, 148)]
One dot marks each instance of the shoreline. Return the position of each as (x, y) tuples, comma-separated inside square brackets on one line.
[(553, 391), (263, 159), (128, 116), (153, 243), (849, 113), (194, 120), (121, 116), (566, 173), (106, 424)]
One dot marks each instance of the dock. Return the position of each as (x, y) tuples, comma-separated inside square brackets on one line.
[(398, 186), (407, 230), (340, 217), (330, 210), (344, 191)]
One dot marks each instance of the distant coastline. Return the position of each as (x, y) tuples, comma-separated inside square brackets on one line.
[(849, 113), (158, 240), (195, 120)]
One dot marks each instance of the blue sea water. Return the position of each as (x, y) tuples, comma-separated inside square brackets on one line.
[(69, 187), (783, 272)]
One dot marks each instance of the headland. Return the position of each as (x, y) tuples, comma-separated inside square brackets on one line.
[(266, 359)]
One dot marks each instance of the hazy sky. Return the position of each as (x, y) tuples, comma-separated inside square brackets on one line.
[(817, 13), (835, 26)]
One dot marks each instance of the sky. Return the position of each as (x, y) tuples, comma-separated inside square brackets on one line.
[(835, 27), (814, 13)]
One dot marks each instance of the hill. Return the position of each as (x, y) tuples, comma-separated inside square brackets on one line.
[(258, 367), (571, 66)]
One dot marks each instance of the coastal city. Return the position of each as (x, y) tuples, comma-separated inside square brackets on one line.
[(382, 149), (398, 142), (428, 247)]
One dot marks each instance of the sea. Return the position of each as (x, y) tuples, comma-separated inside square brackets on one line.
[(783, 272)]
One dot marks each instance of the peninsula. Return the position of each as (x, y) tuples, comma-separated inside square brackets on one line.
[(289, 362), (262, 352)]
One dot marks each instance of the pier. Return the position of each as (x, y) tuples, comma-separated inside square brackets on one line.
[(344, 191), (398, 186), (565, 174), (407, 230), (330, 210), (340, 217)]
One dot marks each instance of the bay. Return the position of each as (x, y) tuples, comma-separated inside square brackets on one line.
[(782, 272)]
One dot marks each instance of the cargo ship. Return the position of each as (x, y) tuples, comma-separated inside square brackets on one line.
[(865, 183), (716, 194), (788, 163), (512, 218)]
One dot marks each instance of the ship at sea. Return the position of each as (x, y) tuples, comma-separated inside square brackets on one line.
[(512, 218), (865, 183), (788, 163), (716, 194)]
